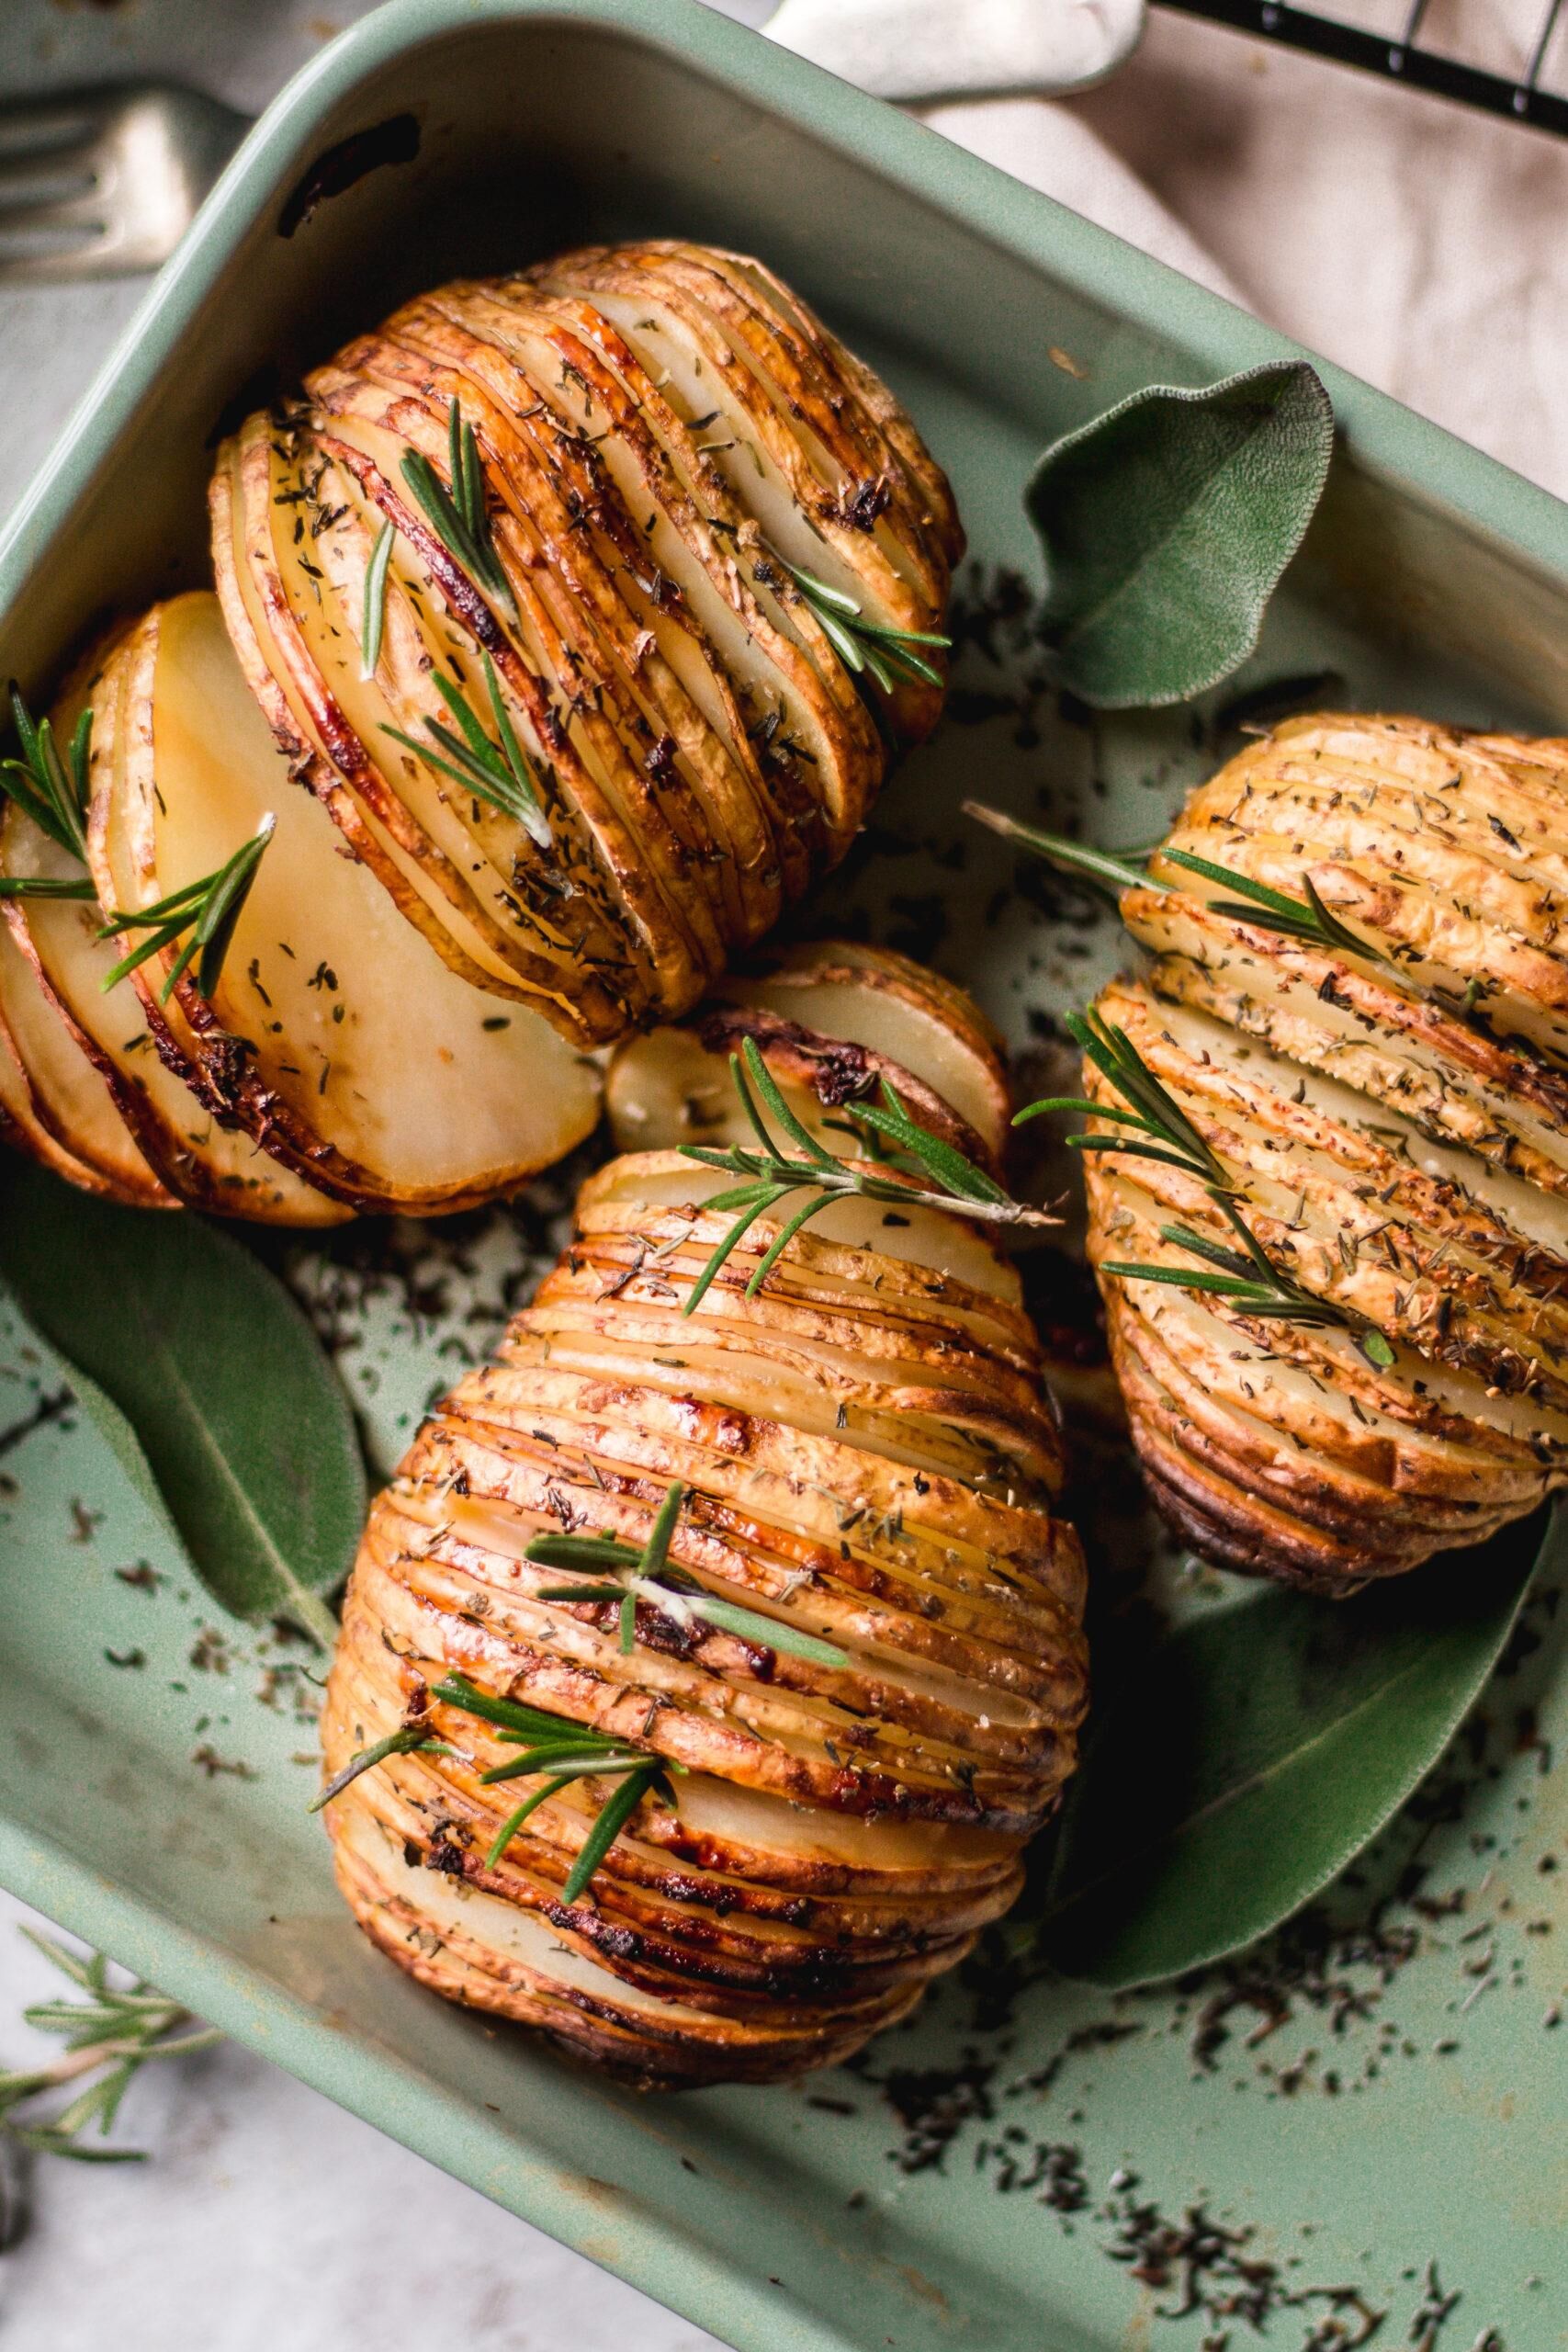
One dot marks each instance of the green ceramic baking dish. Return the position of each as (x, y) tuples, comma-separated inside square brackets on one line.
[(974, 2185)]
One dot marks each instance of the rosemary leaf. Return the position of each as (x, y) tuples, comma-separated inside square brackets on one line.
[(1108, 870), (657, 1549), (460, 516), (514, 1821), (583, 1551), (51, 790), (38, 886), (941, 1160), (781, 1241), (863, 644), (208, 910), (768, 1088), (571, 1758), (751, 1625), (507, 1715), (614, 1815), (373, 621), (397, 1743)]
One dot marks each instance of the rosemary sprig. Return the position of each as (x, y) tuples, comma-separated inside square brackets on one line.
[(1112, 871), (373, 621), (1164, 1130), (209, 909), (109, 2036), (566, 1751), (460, 516), (1307, 918), (770, 1172), (38, 886), (52, 789), (552, 1744), (1248, 1279), (645, 1575), (54, 792), (499, 777), (402, 1742), (862, 645)]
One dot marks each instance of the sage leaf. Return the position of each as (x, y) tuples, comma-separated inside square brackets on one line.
[(1167, 523), (1240, 1766), (239, 1423), (126, 1446)]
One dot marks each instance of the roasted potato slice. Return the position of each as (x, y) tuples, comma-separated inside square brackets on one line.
[(335, 1036), (834, 1022), (160, 1137), (55, 1104)]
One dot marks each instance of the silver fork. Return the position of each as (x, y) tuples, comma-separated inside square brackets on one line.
[(101, 183)]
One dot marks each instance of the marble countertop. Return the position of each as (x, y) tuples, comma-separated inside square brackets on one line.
[(1417, 244)]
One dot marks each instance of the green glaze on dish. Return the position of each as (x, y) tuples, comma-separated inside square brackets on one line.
[(1373, 2094)]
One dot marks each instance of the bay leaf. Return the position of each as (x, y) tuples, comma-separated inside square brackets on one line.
[(210, 1369), (1237, 1767), (1167, 523)]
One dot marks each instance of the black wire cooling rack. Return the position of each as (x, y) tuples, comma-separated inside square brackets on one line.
[(1534, 96)]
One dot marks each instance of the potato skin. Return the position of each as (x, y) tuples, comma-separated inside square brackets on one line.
[(867, 1456)]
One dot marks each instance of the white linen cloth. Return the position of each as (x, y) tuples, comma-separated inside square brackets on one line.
[(1419, 244), (922, 48)]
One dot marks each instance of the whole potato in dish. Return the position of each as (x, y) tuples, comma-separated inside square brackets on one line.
[(703, 542), (837, 1676), (1377, 1057)]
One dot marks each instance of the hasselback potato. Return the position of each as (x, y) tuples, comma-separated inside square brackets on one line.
[(828, 1792), (1357, 1000), (698, 515), (562, 628)]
